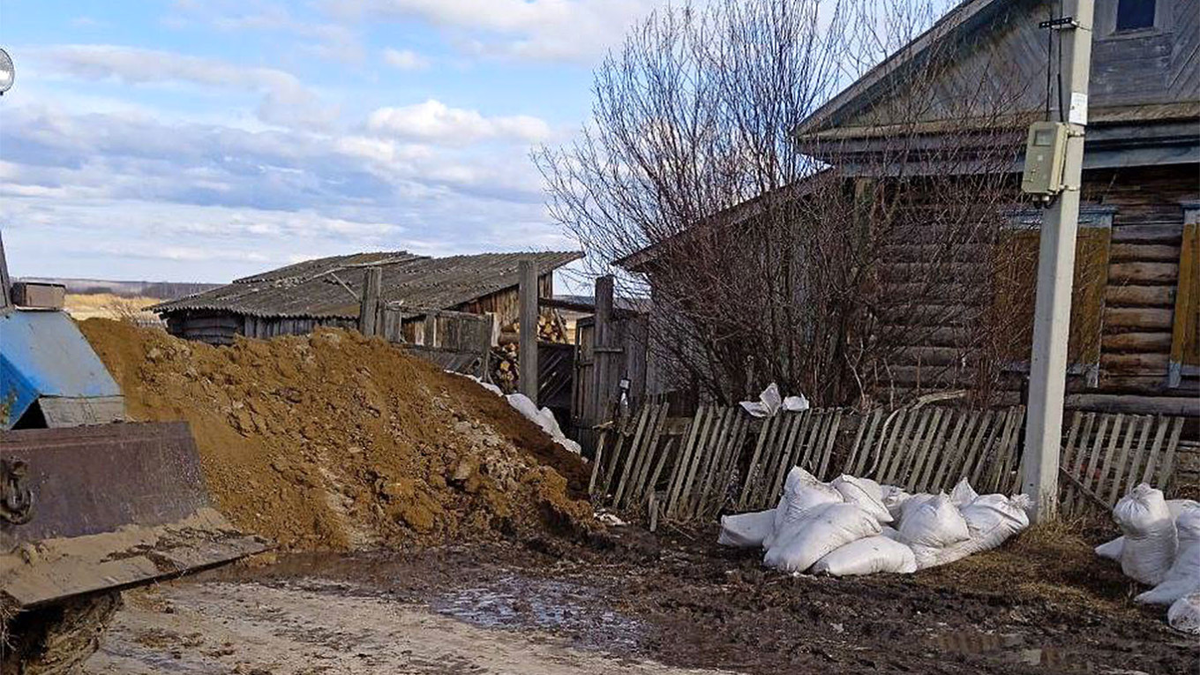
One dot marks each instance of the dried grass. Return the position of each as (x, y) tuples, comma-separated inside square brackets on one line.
[(1055, 563)]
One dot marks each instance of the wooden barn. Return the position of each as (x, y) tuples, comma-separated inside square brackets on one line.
[(296, 299), (1136, 319)]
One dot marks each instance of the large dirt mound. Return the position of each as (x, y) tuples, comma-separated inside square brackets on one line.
[(333, 441)]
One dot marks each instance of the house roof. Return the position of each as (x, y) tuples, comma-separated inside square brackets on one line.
[(330, 287), (967, 16)]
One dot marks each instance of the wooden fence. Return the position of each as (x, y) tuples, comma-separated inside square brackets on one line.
[(687, 469), (1104, 456)]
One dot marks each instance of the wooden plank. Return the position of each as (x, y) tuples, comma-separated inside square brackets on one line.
[(986, 450), (1089, 460), (668, 449), (642, 469), (951, 451), (764, 468), (1137, 342), (763, 432), (597, 461), (901, 424), (887, 436), (830, 444), (620, 446), (862, 442), (788, 455), (928, 446), (1139, 453), (1085, 437), (991, 477), (677, 471), (528, 312), (636, 450), (1164, 472), (1130, 433), (702, 446), (1164, 425), (816, 433), (719, 438), (1143, 273), (1109, 456), (1143, 318), (1185, 331), (772, 460), (1106, 433), (1068, 452), (901, 461), (975, 441)]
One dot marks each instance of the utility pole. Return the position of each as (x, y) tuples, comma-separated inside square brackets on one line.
[(1056, 269)]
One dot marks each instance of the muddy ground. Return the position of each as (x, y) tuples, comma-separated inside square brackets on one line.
[(635, 602)]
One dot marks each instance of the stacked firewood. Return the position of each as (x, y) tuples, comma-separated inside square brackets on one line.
[(506, 366)]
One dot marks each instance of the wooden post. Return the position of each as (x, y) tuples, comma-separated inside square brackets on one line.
[(368, 311), (602, 349), (528, 314), (430, 329)]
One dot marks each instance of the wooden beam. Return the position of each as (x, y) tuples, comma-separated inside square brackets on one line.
[(528, 313), (368, 312)]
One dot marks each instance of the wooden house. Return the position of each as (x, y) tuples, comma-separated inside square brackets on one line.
[(296, 299), (1136, 320)]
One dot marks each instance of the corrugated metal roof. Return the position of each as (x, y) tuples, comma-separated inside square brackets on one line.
[(330, 287)]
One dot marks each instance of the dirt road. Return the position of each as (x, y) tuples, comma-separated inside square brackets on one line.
[(220, 627), (631, 604)]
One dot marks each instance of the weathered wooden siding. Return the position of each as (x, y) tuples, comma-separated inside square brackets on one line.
[(1154, 66), (506, 304), (1125, 304)]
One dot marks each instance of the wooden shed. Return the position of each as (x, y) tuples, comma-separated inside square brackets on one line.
[(1135, 321), (296, 299)]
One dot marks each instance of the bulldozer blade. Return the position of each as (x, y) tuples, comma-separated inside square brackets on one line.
[(107, 507)]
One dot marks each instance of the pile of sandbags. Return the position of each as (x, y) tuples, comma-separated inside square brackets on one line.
[(853, 526), (1160, 548)]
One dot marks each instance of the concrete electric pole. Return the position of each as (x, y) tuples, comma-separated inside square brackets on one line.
[(1056, 264)]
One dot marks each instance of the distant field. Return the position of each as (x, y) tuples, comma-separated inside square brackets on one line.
[(110, 306)]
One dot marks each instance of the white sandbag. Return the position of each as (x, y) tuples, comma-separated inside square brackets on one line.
[(1184, 614), (1183, 577), (746, 530), (893, 499), (1150, 538), (913, 504), (801, 492), (963, 494), (872, 555), (1112, 550), (933, 522), (864, 492), (891, 533), (823, 529), (991, 520)]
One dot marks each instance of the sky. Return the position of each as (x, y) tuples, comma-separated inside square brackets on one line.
[(202, 140)]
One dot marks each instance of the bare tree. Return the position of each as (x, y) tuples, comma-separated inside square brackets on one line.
[(807, 261)]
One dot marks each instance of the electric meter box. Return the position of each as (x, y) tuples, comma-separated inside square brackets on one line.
[(1045, 155)]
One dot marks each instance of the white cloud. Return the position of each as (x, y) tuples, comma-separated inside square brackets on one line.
[(330, 41), (404, 59), (285, 100), (553, 30), (435, 122)]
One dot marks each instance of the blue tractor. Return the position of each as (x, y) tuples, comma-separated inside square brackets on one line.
[(90, 504)]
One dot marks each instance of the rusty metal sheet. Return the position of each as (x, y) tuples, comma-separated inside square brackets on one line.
[(90, 480)]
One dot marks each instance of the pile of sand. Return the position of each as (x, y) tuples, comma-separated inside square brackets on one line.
[(337, 442)]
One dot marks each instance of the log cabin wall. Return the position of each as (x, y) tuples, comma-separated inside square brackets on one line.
[(1128, 315)]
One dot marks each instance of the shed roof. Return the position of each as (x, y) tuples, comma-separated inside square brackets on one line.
[(330, 287)]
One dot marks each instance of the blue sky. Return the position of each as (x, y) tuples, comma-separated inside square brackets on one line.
[(200, 140)]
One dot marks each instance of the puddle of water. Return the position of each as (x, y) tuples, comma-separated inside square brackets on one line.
[(1010, 645), (514, 601)]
